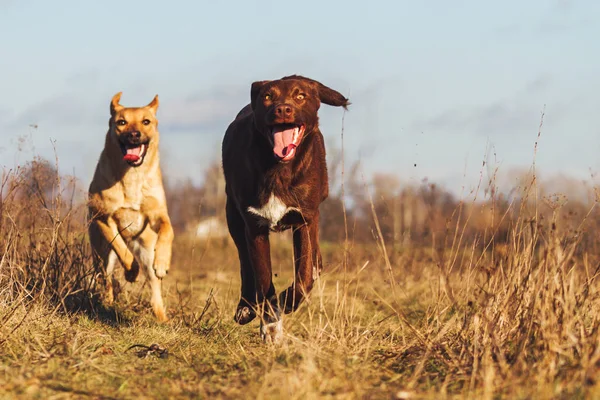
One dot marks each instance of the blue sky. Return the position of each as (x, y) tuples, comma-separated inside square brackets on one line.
[(434, 83)]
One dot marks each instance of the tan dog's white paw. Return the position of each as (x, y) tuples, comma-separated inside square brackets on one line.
[(160, 271), (271, 332)]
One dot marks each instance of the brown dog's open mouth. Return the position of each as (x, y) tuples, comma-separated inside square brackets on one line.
[(286, 137), (134, 154)]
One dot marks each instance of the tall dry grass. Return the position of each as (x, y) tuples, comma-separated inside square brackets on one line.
[(503, 305), (45, 253)]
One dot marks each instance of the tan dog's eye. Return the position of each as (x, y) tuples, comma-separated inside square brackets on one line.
[(146, 122), (121, 122), (268, 96), (300, 96)]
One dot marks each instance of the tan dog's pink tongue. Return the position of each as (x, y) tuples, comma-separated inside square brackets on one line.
[(133, 154), (283, 140)]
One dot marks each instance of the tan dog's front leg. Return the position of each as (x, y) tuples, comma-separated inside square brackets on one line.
[(146, 253), (110, 231), (162, 253)]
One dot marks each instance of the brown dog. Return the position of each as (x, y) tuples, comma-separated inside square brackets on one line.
[(129, 223), (276, 177)]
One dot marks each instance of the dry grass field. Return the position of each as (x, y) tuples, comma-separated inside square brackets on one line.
[(472, 313)]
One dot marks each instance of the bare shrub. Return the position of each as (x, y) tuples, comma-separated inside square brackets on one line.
[(45, 254)]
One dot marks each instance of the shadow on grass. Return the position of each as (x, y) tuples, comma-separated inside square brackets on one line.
[(91, 306)]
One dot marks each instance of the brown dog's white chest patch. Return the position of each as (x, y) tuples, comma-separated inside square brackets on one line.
[(272, 211)]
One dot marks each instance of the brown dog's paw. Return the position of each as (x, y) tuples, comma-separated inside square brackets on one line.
[(244, 314), (289, 300), (132, 274)]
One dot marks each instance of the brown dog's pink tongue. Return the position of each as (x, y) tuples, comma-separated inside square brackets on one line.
[(286, 150), (283, 141), (133, 154)]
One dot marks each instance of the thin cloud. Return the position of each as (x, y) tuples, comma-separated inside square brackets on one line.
[(502, 117), (202, 111), (64, 110), (564, 5), (4, 114), (192, 112), (496, 118), (6, 4), (538, 85)]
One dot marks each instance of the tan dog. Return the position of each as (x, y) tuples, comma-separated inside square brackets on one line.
[(129, 223)]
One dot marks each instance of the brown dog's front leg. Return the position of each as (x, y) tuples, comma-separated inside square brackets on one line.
[(259, 250), (108, 228), (308, 264)]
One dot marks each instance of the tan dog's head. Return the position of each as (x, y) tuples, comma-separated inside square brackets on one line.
[(135, 128), (285, 111)]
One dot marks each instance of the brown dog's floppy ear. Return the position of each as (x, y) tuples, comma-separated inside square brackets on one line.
[(153, 104), (114, 103), (331, 97), (326, 95), (255, 90)]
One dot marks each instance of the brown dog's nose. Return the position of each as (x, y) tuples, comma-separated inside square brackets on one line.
[(135, 135), (283, 110)]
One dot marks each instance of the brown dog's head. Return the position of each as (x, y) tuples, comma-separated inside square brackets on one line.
[(285, 110), (134, 128)]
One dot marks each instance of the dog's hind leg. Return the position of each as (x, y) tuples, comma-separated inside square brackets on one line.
[(111, 261), (246, 308), (105, 260), (143, 250)]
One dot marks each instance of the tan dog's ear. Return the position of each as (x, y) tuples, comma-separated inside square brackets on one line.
[(255, 90), (114, 104), (153, 105)]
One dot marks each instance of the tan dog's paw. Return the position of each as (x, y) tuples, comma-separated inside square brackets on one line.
[(108, 298), (132, 273), (160, 270), (161, 314)]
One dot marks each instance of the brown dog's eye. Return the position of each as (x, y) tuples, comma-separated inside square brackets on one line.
[(300, 96), (146, 122), (268, 96), (121, 122)]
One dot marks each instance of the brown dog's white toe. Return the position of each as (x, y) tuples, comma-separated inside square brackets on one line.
[(272, 332)]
